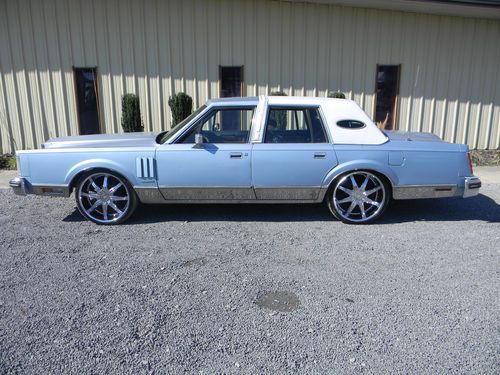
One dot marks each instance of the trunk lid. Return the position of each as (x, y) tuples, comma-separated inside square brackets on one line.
[(411, 136)]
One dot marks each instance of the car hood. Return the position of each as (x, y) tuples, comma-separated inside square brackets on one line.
[(104, 141), (411, 136)]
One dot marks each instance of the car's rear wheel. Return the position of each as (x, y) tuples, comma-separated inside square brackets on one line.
[(105, 197), (358, 197)]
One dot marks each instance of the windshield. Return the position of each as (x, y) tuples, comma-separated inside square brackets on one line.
[(166, 135)]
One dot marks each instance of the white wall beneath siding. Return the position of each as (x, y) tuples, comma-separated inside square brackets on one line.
[(450, 81)]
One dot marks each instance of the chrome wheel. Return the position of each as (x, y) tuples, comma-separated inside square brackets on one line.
[(104, 198), (359, 197)]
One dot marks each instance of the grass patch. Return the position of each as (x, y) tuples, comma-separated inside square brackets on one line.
[(8, 161), (486, 157)]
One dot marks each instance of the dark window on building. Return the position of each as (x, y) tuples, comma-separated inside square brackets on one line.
[(294, 125), (387, 90), (87, 100), (231, 84), (231, 81)]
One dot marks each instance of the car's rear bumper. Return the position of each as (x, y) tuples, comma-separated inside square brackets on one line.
[(18, 185), (467, 187), (471, 186)]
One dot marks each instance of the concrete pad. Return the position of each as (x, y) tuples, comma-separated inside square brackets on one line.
[(488, 175), (5, 177)]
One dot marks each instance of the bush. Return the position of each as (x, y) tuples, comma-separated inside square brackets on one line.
[(278, 93), (131, 114), (8, 161), (336, 94), (181, 105)]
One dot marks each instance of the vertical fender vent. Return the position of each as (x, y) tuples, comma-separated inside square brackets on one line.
[(145, 167)]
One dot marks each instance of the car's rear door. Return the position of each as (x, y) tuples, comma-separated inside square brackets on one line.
[(217, 170), (294, 156)]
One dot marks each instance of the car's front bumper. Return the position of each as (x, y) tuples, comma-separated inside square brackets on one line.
[(471, 186), (18, 185)]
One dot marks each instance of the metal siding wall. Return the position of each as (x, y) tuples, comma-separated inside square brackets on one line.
[(449, 85)]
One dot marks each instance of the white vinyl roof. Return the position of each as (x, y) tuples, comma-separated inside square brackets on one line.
[(335, 110)]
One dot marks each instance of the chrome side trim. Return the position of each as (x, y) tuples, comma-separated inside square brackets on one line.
[(208, 193), (288, 193), (236, 201), (51, 190), (424, 191), (149, 195), (228, 195), (18, 185), (471, 187)]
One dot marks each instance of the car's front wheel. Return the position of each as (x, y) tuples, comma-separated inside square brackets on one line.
[(105, 197), (358, 197)]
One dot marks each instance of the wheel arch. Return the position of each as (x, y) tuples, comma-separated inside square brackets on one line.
[(80, 169), (376, 168)]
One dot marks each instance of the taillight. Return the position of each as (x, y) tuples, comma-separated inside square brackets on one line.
[(470, 163)]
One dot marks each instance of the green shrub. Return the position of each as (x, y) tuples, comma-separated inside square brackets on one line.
[(336, 94), (8, 161), (131, 114), (278, 93), (181, 105)]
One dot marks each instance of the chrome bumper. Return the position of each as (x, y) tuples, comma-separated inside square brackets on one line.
[(18, 185), (471, 186)]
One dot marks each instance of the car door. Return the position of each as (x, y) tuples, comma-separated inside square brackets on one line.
[(218, 169), (294, 156)]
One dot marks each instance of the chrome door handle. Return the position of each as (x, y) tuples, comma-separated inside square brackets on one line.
[(235, 155), (319, 155)]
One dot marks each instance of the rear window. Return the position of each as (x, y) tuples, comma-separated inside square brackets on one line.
[(294, 125)]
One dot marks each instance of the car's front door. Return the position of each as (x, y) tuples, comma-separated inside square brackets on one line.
[(219, 169), (294, 157)]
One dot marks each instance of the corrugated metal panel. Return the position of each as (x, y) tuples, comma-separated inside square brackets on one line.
[(449, 85)]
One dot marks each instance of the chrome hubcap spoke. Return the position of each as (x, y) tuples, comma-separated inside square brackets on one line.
[(94, 206), (114, 199), (101, 203), (91, 195), (359, 196), (116, 187)]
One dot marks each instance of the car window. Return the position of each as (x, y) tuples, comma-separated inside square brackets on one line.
[(294, 125), (165, 136), (225, 125)]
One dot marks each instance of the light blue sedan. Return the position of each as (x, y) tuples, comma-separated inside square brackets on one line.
[(251, 150)]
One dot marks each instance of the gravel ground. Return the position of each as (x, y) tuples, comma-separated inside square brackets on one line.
[(250, 289)]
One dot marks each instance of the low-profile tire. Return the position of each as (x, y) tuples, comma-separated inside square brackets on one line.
[(358, 197), (105, 197)]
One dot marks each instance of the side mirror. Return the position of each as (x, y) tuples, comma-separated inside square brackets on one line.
[(198, 140)]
